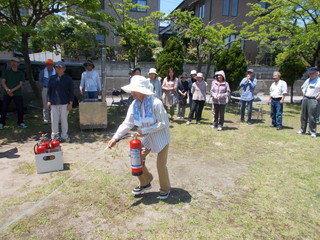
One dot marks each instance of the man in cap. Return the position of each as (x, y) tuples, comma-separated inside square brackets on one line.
[(12, 83), (311, 95), (149, 115), (90, 84), (278, 92), (155, 83), (248, 84), (44, 77), (60, 97)]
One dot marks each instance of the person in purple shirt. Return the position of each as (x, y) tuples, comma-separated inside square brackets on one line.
[(248, 85)]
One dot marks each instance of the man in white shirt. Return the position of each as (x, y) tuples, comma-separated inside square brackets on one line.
[(278, 92), (311, 95), (90, 85), (149, 115)]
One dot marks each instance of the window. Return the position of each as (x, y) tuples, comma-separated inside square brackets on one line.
[(226, 6), (264, 4), (234, 11), (139, 9), (100, 38), (201, 11), (230, 40)]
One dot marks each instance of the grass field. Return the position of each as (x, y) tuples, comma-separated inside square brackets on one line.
[(246, 182)]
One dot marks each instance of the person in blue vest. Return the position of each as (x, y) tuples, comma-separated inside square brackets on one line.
[(44, 77), (248, 85), (309, 106)]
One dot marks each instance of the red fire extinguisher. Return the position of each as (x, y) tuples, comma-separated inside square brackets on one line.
[(40, 147), (55, 144), (135, 155)]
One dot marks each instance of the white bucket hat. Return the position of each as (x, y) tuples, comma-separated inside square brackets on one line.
[(193, 72), (152, 70), (139, 84), (199, 74)]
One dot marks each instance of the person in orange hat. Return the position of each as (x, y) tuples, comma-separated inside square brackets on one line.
[(44, 77)]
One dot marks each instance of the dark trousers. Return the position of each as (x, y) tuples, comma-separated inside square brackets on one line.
[(243, 109), (197, 107), (190, 104), (219, 110), (309, 114), (18, 100), (276, 113)]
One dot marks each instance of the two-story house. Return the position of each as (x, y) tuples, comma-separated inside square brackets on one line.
[(225, 12)]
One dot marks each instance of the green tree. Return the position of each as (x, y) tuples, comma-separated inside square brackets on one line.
[(135, 34), (292, 68), (70, 36), (291, 24), (171, 56), (207, 40), (232, 61), (20, 20)]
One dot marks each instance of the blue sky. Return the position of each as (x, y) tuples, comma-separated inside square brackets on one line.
[(166, 6)]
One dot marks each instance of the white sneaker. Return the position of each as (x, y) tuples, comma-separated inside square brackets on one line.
[(1, 126), (219, 128), (198, 122), (22, 125), (188, 122), (313, 135)]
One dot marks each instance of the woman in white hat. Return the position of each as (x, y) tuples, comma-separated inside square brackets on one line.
[(198, 90), (148, 114), (155, 82), (220, 91)]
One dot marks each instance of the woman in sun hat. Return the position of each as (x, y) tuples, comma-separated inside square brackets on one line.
[(149, 115), (155, 83), (198, 90)]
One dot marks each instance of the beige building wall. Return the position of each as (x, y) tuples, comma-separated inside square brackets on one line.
[(112, 40)]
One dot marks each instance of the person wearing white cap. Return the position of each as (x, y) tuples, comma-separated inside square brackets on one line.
[(198, 89), (149, 115), (311, 95), (220, 91), (155, 83), (12, 83), (192, 80)]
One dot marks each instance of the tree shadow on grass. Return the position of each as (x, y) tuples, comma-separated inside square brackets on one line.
[(177, 195)]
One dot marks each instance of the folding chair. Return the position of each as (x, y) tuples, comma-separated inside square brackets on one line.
[(118, 94)]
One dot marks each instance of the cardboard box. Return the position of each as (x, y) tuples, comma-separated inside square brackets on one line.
[(93, 115), (49, 162)]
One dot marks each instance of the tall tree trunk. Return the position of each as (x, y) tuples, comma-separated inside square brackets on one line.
[(199, 59), (208, 67), (25, 52), (291, 92)]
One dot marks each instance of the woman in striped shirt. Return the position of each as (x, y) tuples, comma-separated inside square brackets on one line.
[(149, 115)]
